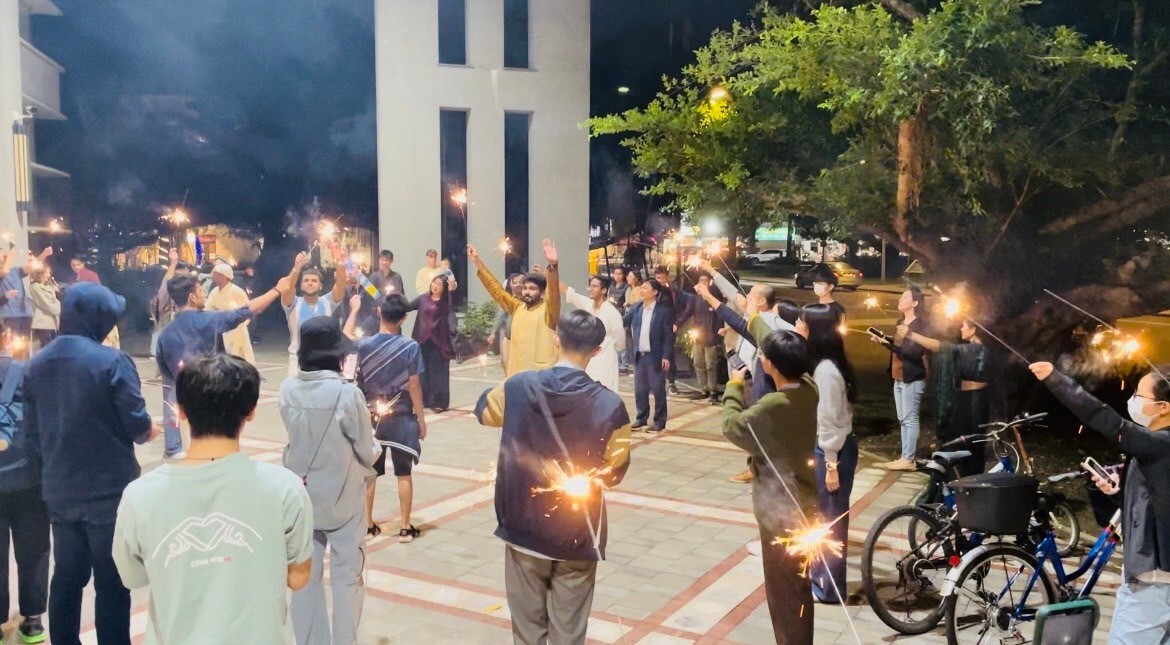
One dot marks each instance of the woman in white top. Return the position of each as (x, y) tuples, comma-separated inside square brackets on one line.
[(603, 367), (46, 307), (836, 452)]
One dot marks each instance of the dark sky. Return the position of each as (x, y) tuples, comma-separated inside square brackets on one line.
[(257, 106)]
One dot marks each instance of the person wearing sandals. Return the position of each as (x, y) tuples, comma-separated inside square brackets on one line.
[(555, 421), (389, 369), (329, 447)]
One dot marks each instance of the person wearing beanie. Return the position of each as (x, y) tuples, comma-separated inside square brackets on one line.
[(226, 295)]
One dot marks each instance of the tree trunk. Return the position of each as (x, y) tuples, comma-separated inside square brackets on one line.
[(910, 154)]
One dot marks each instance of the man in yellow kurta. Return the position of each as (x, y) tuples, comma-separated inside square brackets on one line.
[(534, 318), (227, 296)]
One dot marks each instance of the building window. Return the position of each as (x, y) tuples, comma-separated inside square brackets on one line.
[(453, 193), (516, 34), (452, 32), (516, 128)]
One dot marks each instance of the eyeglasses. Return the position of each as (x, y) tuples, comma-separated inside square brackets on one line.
[(1148, 398)]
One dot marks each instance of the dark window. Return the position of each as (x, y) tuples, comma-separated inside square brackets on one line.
[(516, 127), (452, 32), (453, 183), (516, 34)]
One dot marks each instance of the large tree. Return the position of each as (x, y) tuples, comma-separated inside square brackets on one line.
[(995, 124)]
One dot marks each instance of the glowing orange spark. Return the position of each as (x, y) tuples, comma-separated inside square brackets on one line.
[(694, 261), (809, 542), (459, 196), (871, 302), (505, 246)]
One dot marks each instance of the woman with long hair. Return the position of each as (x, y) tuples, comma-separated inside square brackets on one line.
[(432, 331), (908, 369), (835, 456), (46, 307)]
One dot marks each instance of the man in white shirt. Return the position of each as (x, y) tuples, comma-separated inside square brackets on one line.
[(422, 279), (603, 367), (217, 537), (226, 296), (311, 303)]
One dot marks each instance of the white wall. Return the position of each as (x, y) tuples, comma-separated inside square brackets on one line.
[(11, 106), (411, 89)]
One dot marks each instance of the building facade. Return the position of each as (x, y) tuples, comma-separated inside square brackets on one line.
[(30, 90), (481, 110)]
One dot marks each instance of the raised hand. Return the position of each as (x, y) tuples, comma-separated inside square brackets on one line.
[(1042, 370), (355, 303), (472, 252), (48, 251), (302, 260), (174, 256), (550, 251), (284, 285)]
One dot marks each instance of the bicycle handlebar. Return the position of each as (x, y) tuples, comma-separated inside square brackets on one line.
[(1000, 426)]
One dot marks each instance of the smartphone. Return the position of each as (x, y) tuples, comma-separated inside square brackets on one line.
[(1095, 468), (349, 367), (874, 331)]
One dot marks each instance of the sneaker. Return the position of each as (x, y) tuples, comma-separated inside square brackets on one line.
[(32, 630), (742, 478), (408, 534), (178, 456), (755, 548), (673, 388), (901, 464), (653, 430), (638, 425)]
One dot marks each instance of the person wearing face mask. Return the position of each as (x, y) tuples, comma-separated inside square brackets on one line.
[(960, 374), (1142, 614), (824, 283), (908, 369), (534, 319)]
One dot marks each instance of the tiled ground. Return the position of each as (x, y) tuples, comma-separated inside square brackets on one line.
[(678, 570)]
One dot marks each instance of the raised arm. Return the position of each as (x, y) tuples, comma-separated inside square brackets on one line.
[(736, 322), (283, 289), (355, 305), (929, 343), (294, 276), (507, 301), (576, 299), (38, 261), (340, 277), (735, 299), (552, 313)]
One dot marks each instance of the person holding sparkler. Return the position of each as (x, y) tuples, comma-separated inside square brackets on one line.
[(434, 326), (162, 308), (422, 279), (603, 368), (683, 305), (836, 451), (779, 432), (387, 281), (565, 439), (960, 372), (195, 333), (311, 303), (908, 369), (1142, 614), (46, 306), (652, 328), (390, 368), (83, 413), (328, 423), (534, 319), (706, 343), (17, 311)]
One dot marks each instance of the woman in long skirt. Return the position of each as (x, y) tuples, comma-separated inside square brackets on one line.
[(433, 328)]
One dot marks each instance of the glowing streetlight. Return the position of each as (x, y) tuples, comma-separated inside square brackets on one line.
[(623, 90), (718, 93)]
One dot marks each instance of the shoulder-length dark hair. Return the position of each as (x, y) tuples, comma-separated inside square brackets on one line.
[(825, 343), (919, 309)]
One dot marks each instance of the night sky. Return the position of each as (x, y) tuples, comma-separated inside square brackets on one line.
[(258, 106)]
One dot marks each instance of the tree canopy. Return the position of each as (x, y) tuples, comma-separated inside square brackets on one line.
[(998, 124)]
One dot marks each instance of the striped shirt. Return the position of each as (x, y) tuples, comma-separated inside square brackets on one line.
[(385, 364)]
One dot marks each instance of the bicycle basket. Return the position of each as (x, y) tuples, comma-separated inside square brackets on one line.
[(995, 503)]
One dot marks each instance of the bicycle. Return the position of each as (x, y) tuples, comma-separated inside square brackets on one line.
[(905, 593), (973, 600)]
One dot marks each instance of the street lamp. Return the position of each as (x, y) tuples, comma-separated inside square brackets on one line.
[(623, 90), (717, 94)]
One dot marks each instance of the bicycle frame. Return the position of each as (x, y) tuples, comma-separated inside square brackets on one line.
[(1094, 561)]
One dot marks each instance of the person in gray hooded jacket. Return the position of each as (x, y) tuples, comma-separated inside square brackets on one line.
[(331, 447)]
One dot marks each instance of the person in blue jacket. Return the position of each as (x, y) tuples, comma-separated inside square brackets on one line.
[(83, 413)]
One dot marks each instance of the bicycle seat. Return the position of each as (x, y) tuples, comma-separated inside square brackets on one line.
[(1063, 477), (951, 456)]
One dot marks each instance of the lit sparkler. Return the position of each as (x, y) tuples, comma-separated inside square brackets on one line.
[(384, 409), (17, 343), (577, 485), (459, 197), (359, 332), (389, 289), (713, 248), (176, 217), (7, 236), (1136, 351), (326, 230), (483, 363), (505, 246), (695, 261), (55, 226), (843, 329), (810, 542), (871, 302), (693, 334)]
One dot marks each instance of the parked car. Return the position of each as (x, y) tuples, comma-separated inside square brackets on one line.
[(848, 277), (763, 257)]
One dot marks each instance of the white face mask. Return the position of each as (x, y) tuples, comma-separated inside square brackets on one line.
[(1135, 411), (820, 289)]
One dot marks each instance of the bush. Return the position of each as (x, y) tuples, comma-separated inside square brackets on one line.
[(476, 324)]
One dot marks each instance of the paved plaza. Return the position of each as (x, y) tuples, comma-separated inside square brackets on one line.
[(678, 570)]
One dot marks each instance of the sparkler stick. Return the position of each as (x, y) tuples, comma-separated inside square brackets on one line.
[(1115, 330)]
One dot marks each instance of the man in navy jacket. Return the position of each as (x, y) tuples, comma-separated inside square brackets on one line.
[(83, 413), (652, 329), (557, 423)]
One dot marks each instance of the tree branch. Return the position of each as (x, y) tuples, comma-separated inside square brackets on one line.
[(903, 9), (1136, 204)]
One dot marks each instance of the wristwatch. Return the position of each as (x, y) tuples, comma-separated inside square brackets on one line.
[(831, 465)]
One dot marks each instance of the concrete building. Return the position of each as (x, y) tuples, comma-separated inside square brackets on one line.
[(487, 97), (30, 90)]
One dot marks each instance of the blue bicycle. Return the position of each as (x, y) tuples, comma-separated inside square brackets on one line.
[(994, 593)]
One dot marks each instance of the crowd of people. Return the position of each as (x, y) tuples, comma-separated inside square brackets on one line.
[(356, 397)]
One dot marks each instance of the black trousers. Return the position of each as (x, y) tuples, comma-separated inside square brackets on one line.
[(23, 517), (83, 541), (649, 378), (436, 378), (790, 599)]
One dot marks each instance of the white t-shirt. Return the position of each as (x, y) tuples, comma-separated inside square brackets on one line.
[(216, 560), (300, 311)]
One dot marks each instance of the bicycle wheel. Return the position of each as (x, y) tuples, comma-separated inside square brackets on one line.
[(981, 607), (903, 567), (1066, 528)]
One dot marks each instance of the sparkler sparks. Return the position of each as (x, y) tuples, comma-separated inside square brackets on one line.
[(176, 217), (871, 302), (55, 226), (693, 334), (459, 197), (385, 409), (811, 541), (505, 246), (576, 485), (694, 261), (327, 230), (17, 343)]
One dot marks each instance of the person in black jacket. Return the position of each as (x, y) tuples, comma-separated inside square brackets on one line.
[(908, 369), (559, 425), (1142, 614), (683, 305), (706, 346), (652, 332)]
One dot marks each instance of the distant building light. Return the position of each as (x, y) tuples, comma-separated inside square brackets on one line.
[(623, 90)]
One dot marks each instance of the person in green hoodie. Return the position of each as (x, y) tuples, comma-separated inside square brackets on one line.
[(779, 433)]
